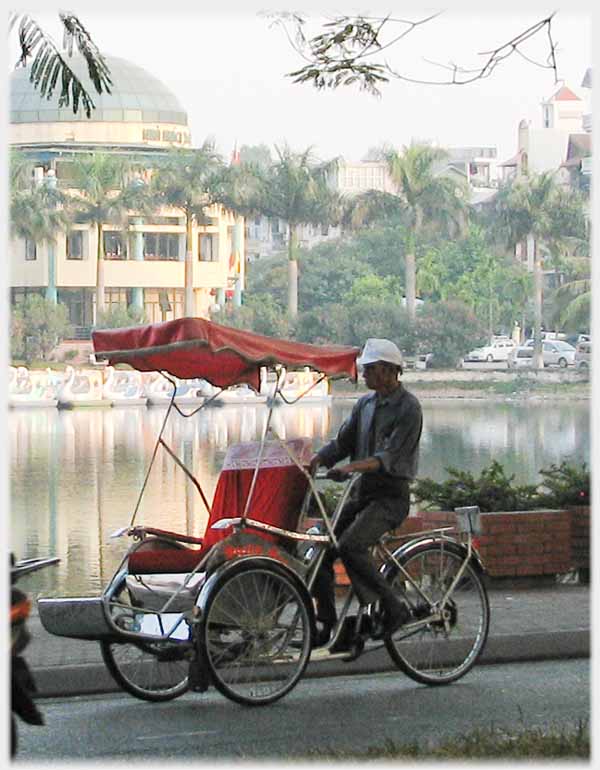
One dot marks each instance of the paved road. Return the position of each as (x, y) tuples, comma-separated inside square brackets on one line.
[(343, 712)]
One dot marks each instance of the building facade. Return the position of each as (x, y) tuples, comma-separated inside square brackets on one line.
[(144, 261)]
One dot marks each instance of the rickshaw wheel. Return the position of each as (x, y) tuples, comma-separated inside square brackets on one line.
[(151, 671), (255, 636)]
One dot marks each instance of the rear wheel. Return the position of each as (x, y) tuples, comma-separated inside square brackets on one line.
[(444, 650), (256, 634), (490, 358), (562, 362), (153, 671)]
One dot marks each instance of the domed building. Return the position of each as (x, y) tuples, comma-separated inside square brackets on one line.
[(144, 263)]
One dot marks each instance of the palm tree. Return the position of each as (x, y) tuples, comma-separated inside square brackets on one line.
[(532, 210), (424, 193), (188, 180), (50, 68), (295, 189), (104, 190), (37, 211)]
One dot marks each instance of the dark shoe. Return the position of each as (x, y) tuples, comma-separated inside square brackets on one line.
[(396, 618), (320, 638), (322, 635), (420, 610)]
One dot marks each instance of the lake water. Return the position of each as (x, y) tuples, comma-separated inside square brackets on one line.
[(75, 475)]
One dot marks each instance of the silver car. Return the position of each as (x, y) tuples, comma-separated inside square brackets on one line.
[(554, 352)]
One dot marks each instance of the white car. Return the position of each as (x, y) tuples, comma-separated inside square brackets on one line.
[(498, 350), (554, 352)]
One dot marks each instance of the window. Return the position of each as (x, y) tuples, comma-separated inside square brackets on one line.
[(161, 246), (30, 250), (113, 245), (207, 249), (75, 244), (79, 304), (156, 302), (115, 298)]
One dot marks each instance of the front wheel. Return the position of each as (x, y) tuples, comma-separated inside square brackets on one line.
[(444, 650), (490, 359), (562, 362), (152, 671), (255, 636)]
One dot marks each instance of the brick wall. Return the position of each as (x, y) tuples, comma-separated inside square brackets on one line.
[(517, 544), (580, 536)]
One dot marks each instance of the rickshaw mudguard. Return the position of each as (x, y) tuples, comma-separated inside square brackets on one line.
[(251, 544), (246, 561), (414, 546)]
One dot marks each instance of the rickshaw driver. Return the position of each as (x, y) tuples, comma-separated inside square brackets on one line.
[(381, 437)]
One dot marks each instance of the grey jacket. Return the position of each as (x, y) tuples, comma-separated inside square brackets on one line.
[(387, 428)]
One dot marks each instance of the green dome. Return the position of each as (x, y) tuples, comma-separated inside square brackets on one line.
[(136, 96)]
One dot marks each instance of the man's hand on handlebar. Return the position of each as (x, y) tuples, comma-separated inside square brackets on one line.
[(337, 474)]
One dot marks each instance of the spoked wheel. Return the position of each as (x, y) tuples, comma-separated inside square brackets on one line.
[(256, 634), (153, 671), (444, 650)]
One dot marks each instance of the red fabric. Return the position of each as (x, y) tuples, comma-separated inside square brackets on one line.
[(276, 499), (195, 347), (164, 560)]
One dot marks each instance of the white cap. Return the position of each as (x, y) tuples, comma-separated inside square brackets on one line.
[(380, 350)]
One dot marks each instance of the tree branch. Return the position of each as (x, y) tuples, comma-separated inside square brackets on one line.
[(338, 55)]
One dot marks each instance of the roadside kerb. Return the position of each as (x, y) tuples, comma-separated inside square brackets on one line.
[(546, 623)]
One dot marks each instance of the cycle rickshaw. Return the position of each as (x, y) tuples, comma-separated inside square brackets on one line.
[(233, 609)]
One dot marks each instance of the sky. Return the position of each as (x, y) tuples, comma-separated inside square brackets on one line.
[(228, 68)]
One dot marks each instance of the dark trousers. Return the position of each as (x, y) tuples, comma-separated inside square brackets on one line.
[(360, 526)]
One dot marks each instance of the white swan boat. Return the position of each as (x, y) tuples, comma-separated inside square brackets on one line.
[(124, 387), (81, 387), (31, 388), (188, 392), (297, 384)]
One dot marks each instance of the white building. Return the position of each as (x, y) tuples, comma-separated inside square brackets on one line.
[(144, 264)]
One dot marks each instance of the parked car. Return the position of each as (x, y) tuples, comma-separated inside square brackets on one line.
[(497, 350), (520, 357), (583, 355), (554, 352)]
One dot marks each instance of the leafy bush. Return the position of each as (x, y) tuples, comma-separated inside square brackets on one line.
[(493, 491), (37, 327), (119, 316), (565, 485), (260, 313)]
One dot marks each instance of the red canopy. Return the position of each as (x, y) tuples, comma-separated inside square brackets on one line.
[(195, 347)]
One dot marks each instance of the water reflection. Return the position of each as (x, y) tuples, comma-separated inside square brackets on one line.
[(75, 475)]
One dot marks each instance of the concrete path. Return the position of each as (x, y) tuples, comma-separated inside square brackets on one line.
[(540, 623)]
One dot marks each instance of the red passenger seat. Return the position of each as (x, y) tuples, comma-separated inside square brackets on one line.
[(277, 499)]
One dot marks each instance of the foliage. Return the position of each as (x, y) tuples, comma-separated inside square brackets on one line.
[(328, 272), (262, 315), (119, 316), (494, 286), (342, 51), (448, 329), (295, 189), (565, 485), (256, 155), (37, 327), (267, 278), (493, 491), (50, 68), (562, 741)]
